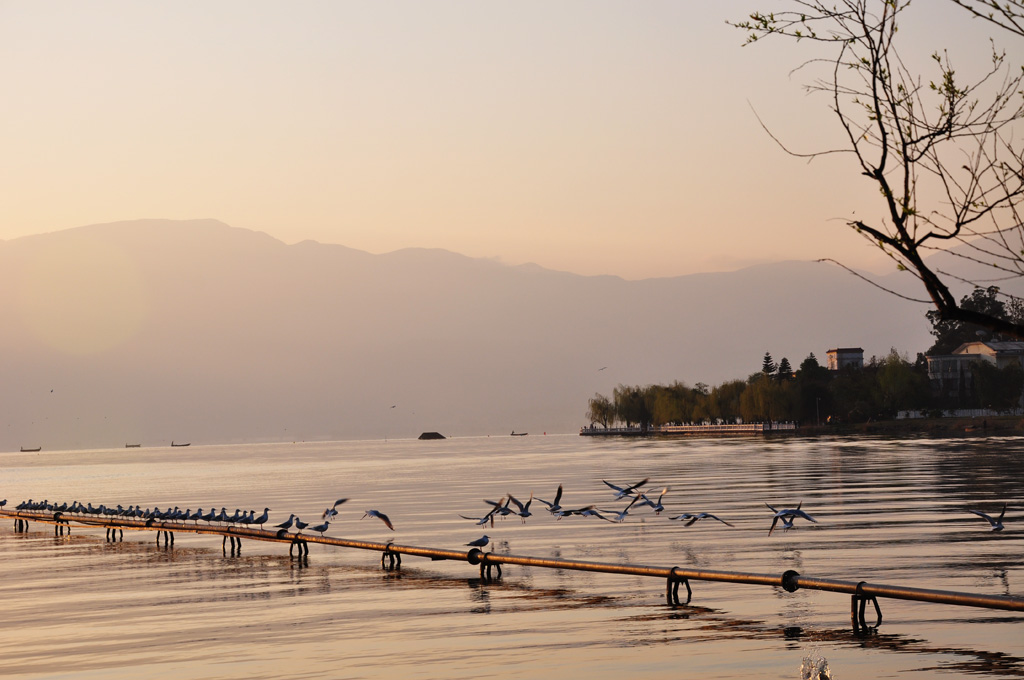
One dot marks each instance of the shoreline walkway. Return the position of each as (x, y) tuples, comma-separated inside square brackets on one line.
[(656, 430)]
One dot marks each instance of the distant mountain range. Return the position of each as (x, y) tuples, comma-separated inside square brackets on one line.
[(153, 330)]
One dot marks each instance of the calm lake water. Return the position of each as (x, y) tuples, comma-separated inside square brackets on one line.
[(889, 511)]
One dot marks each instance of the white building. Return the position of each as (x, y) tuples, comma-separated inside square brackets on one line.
[(845, 357), (951, 373)]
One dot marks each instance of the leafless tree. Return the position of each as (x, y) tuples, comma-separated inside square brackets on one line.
[(1008, 14), (943, 153)]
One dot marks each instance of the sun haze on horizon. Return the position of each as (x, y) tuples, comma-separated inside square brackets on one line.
[(593, 137)]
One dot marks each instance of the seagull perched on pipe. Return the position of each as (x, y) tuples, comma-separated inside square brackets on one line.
[(480, 542), (787, 516), (995, 522), (287, 524), (379, 515), (320, 528)]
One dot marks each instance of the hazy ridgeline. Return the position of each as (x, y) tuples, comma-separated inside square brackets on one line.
[(156, 330)]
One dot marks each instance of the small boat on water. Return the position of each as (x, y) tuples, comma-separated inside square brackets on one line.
[(519, 434), (133, 446), (185, 444), (28, 450)]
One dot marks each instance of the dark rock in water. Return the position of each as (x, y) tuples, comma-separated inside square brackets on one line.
[(432, 435)]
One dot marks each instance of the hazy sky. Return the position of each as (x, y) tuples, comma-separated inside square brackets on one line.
[(589, 136)]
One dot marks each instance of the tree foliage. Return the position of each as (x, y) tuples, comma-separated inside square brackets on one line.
[(1008, 14), (812, 394), (947, 156), (951, 333)]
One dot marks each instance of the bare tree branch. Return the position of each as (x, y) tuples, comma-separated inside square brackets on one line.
[(946, 155)]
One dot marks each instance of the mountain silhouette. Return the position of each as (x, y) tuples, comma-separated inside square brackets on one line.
[(153, 330)]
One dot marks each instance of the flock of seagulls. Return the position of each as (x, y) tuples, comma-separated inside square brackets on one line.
[(640, 499), (176, 514), (506, 506)]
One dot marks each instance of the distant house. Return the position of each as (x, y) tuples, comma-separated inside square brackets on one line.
[(845, 357), (950, 374)]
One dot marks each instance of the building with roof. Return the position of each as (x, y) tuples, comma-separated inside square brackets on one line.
[(950, 374), (845, 357)]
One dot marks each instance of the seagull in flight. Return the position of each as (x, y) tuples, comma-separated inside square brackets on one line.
[(658, 507), (565, 512), (501, 507), (554, 507), (379, 515), (524, 508), (787, 516), (480, 521), (995, 522), (332, 512), (591, 512), (480, 542), (621, 515), (625, 491), (691, 519)]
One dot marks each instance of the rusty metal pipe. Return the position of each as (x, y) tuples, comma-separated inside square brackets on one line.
[(789, 580)]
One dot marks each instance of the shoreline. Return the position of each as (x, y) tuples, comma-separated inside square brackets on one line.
[(950, 427), (944, 427)]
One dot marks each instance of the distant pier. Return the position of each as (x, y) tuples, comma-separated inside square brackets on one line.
[(705, 430)]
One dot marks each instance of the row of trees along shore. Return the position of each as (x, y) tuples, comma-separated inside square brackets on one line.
[(811, 394), (814, 394)]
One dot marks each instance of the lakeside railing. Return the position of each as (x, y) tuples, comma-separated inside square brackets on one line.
[(861, 592), (705, 429)]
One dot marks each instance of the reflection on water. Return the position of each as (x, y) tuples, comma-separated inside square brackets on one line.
[(888, 511)]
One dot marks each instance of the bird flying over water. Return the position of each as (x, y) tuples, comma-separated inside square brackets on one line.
[(787, 516), (625, 491), (501, 507), (379, 515), (621, 514), (554, 506), (480, 521), (332, 512), (524, 508), (691, 519), (995, 522), (656, 505)]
